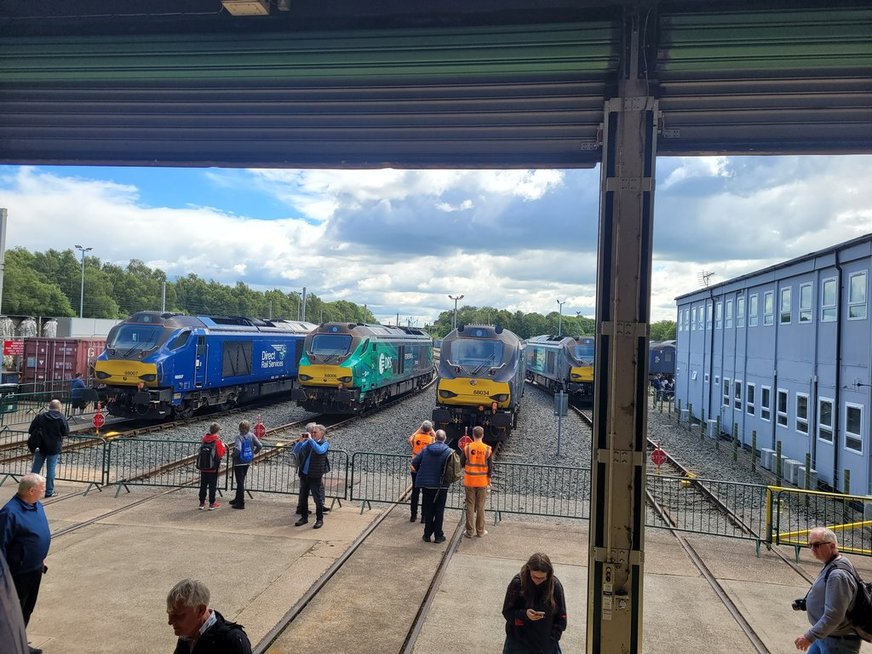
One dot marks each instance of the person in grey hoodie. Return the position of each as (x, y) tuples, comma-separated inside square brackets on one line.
[(828, 599), (428, 465), (244, 440), (50, 428)]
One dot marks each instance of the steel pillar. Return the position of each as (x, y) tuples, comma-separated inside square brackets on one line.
[(616, 555)]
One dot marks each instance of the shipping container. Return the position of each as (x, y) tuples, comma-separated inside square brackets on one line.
[(52, 362)]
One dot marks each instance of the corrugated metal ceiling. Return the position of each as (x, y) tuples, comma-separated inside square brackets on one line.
[(497, 85)]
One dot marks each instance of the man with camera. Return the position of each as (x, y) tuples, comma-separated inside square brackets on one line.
[(828, 599), (311, 453)]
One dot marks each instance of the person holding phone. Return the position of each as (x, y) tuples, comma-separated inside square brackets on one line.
[(534, 609)]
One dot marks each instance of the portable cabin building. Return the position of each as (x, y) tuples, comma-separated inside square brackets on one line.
[(786, 352)]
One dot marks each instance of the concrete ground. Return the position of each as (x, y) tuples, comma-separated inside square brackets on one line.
[(106, 585)]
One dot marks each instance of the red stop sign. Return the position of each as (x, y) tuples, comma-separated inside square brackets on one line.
[(658, 456), (259, 430), (99, 420)]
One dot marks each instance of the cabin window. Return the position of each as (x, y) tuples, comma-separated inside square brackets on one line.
[(828, 300), (805, 310), (857, 296), (825, 419)]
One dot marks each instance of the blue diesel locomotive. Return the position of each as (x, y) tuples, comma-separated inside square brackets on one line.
[(562, 362), (481, 381), (160, 364)]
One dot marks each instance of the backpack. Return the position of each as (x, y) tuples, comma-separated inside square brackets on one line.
[(207, 457), (859, 616), (246, 452), (35, 440), (451, 469)]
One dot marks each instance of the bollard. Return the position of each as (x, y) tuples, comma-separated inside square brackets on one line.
[(807, 483), (753, 450), (718, 434), (735, 442), (778, 463), (847, 484)]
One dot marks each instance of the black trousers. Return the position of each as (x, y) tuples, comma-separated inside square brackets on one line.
[(433, 508), (27, 587), (315, 486), (416, 493), (239, 472), (208, 480)]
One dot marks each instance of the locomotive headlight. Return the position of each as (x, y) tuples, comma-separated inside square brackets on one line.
[(502, 397), (447, 394), (345, 380), (575, 375), (305, 377), (148, 378), (103, 375)]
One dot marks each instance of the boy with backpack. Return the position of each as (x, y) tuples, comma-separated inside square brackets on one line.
[(245, 446), (209, 457)]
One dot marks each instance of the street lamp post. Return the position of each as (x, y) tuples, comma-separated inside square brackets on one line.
[(452, 297), (560, 304), (82, 292)]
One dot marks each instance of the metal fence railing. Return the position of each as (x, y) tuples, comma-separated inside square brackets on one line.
[(850, 516), (694, 511), (773, 514), (273, 472), (82, 459)]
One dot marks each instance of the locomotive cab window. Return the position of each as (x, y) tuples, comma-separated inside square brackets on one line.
[(585, 351), (135, 338), (469, 352), (181, 340), (330, 344)]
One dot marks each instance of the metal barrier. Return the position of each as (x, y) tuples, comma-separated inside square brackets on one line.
[(273, 472), (554, 491), (147, 462), (692, 511), (15, 458), (82, 459), (782, 516), (796, 512)]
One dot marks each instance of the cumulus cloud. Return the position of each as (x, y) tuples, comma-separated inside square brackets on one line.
[(401, 241)]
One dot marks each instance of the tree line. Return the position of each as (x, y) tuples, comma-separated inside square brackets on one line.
[(49, 284), (527, 325)]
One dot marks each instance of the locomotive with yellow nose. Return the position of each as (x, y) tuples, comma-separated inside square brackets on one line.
[(480, 381), (351, 367)]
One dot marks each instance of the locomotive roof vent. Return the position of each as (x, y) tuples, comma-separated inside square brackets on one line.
[(498, 329)]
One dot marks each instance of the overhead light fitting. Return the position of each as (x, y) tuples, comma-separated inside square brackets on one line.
[(283, 5), (247, 7)]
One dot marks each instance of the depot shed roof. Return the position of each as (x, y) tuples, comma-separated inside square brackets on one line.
[(437, 84)]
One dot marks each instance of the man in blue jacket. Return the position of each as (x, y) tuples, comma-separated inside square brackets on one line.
[(311, 453), (428, 466), (25, 539)]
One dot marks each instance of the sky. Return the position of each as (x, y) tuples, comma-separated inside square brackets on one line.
[(401, 241)]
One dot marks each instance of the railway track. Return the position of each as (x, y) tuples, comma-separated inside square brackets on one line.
[(710, 499)]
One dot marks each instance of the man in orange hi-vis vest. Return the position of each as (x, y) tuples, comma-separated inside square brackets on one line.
[(476, 459), (419, 440)]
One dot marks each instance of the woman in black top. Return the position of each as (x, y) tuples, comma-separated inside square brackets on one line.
[(534, 609)]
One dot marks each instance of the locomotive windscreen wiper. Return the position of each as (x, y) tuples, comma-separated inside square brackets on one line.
[(483, 365)]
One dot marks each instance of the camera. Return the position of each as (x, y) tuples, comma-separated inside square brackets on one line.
[(799, 604)]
